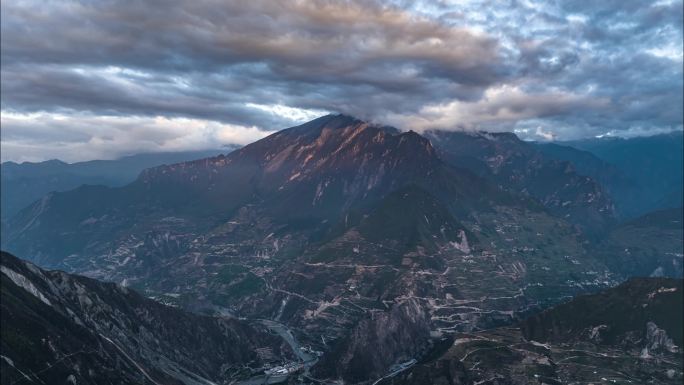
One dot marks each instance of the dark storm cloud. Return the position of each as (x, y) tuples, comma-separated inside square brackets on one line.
[(574, 68), (314, 43), (110, 92)]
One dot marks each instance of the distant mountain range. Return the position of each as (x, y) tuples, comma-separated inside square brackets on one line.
[(24, 183), (373, 246)]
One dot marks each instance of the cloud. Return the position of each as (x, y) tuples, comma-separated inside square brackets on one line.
[(499, 109), (29, 137), (131, 58), (573, 68)]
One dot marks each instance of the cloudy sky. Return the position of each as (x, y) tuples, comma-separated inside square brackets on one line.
[(98, 79)]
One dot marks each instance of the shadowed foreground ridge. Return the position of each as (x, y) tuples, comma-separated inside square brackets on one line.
[(63, 328)]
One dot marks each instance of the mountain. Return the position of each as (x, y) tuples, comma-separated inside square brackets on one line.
[(63, 328), (27, 182), (355, 236), (306, 177), (621, 188), (653, 163), (628, 334), (521, 167), (651, 245)]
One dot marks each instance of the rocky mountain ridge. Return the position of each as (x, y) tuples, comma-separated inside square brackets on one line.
[(519, 166), (58, 327)]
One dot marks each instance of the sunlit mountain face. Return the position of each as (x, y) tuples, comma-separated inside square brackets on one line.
[(341, 193)]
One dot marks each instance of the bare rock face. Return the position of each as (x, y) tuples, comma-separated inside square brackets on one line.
[(377, 343), (658, 340)]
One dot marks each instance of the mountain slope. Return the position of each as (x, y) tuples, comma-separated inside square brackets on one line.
[(623, 309), (520, 167), (71, 329), (653, 163), (651, 245), (628, 334), (407, 220), (622, 189)]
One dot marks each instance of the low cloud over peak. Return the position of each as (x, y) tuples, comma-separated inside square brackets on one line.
[(568, 70)]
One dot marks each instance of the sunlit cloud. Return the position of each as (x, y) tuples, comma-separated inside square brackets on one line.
[(298, 115), (28, 137)]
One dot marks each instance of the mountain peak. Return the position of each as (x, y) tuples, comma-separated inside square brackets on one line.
[(334, 161), (330, 121), (345, 118)]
